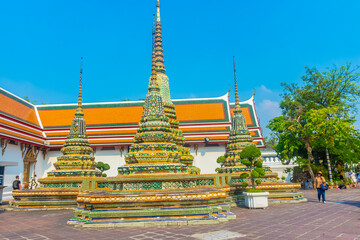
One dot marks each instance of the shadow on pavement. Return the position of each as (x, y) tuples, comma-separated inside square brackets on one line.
[(351, 203)]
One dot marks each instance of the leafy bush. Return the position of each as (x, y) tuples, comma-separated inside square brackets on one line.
[(249, 157), (103, 167), (254, 174), (258, 164), (245, 162), (220, 159), (253, 190), (244, 175), (260, 170)]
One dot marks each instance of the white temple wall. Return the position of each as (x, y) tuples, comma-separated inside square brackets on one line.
[(272, 160), (206, 156), (45, 166), (12, 154), (205, 159), (111, 157)]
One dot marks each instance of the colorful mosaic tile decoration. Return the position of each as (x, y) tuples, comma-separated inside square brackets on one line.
[(77, 159), (60, 188), (239, 138), (169, 107), (158, 144)]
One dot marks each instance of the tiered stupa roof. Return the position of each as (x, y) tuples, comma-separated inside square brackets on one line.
[(163, 82), (154, 149), (77, 159)]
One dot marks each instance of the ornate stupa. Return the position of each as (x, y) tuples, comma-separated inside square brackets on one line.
[(77, 159), (154, 149), (62, 185), (155, 186), (169, 107), (239, 137)]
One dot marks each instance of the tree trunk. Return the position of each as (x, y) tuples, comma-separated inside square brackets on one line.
[(310, 159), (329, 166), (252, 179)]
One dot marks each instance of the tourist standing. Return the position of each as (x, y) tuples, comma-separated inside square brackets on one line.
[(357, 180), (319, 180), (17, 184), (352, 177)]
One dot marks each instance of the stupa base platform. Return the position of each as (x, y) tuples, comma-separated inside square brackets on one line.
[(159, 208), (278, 192), (54, 193), (44, 199)]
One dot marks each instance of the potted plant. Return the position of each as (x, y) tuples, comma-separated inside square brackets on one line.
[(254, 198)]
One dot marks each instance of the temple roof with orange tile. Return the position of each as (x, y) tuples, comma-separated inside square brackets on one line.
[(115, 123)]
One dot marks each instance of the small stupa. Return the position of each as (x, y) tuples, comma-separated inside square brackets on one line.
[(77, 160), (239, 138), (62, 185)]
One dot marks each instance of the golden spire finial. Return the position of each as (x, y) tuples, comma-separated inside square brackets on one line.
[(158, 11), (79, 108), (237, 103), (153, 85), (159, 55), (153, 34)]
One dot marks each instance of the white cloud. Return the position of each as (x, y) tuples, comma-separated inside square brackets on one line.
[(272, 107), (265, 89), (267, 110)]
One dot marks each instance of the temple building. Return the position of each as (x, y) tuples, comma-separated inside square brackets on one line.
[(32, 135)]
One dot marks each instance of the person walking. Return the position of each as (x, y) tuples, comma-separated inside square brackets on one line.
[(17, 184), (358, 179), (319, 180), (352, 178)]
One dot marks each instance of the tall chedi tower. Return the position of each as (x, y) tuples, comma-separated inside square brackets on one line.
[(169, 107), (239, 137), (77, 160), (154, 149), (155, 187)]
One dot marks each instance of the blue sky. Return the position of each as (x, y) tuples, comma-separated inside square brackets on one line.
[(42, 42)]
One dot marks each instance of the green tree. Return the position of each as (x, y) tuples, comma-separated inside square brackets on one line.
[(317, 116), (250, 158), (103, 167), (220, 160)]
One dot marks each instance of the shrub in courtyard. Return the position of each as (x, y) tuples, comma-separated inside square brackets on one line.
[(250, 158)]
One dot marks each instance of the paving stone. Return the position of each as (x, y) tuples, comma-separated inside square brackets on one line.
[(338, 219), (218, 235)]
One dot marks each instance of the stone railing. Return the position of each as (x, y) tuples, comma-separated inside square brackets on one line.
[(166, 182), (138, 183)]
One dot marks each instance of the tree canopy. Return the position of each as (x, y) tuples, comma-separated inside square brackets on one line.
[(318, 116), (103, 167)]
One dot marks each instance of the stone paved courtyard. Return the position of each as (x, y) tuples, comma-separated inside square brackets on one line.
[(339, 218)]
